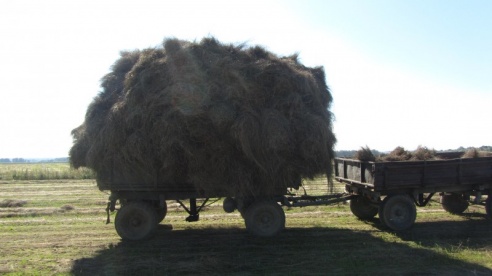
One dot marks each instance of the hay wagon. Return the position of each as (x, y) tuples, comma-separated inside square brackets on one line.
[(391, 190), (143, 207)]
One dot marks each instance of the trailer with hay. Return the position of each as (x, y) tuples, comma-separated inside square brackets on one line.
[(190, 121), (393, 189)]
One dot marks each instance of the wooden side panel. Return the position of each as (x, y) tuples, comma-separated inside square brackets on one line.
[(386, 176)]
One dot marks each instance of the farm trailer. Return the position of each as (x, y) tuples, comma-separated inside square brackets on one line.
[(143, 207), (391, 190)]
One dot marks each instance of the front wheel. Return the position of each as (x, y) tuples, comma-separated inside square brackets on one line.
[(362, 208), (136, 221), (398, 212), (264, 218), (454, 203)]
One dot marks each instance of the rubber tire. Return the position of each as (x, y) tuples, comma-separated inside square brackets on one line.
[(398, 212), (229, 205), (161, 212), (454, 203), (264, 218), (362, 208), (136, 221), (488, 206)]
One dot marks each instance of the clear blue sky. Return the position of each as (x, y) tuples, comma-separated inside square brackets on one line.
[(402, 73)]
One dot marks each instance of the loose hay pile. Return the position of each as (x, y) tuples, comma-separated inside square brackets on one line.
[(221, 117), (398, 154), (420, 154)]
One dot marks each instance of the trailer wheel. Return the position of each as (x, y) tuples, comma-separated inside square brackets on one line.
[(488, 206), (454, 203), (264, 218), (398, 212), (161, 212), (362, 208), (229, 205), (136, 221)]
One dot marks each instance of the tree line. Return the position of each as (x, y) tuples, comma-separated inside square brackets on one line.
[(23, 160), (338, 153)]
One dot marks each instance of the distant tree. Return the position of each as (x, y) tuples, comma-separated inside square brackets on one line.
[(486, 148), (351, 153), (61, 159), (4, 160), (19, 160)]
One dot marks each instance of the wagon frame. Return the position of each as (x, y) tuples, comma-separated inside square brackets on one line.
[(391, 190)]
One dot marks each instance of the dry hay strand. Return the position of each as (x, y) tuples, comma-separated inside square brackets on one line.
[(219, 117), (423, 153), (365, 154), (420, 154), (471, 153), (398, 154), (11, 203), (475, 153)]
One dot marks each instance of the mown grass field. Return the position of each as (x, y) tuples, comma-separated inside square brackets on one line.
[(42, 171), (58, 227)]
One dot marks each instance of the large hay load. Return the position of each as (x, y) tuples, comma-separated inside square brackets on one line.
[(219, 118)]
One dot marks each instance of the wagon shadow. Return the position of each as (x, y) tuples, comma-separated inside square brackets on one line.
[(311, 251), (473, 232)]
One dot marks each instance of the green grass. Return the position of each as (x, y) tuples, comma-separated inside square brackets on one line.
[(42, 171), (42, 237)]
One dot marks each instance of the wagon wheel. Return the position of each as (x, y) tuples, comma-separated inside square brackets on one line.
[(362, 208), (161, 212), (454, 203), (229, 205), (398, 212), (488, 206), (136, 221), (264, 218)]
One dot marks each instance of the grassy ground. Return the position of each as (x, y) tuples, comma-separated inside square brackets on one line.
[(58, 227)]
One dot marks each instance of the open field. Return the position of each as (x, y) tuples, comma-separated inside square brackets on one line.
[(42, 171), (58, 227)]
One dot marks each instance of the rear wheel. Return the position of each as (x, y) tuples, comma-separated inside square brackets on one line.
[(488, 206), (362, 208), (136, 221), (398, 212), (264, 218), (229, 205), (161, 212), (454, 203)]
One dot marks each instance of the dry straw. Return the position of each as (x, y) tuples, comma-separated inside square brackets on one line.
[(398, 154), (219, 117), (475, 153), (365, 154)]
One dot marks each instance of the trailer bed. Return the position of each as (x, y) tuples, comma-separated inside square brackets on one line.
[(391, 190), (385, 177)]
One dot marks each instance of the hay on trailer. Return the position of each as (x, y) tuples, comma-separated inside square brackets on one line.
[(221, 117), (398, 154), (471, 153), (475, 153), (423, 153), (365, 154), (420, 154)]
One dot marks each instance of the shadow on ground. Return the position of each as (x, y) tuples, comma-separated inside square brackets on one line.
[(306, 251), (472, 232)]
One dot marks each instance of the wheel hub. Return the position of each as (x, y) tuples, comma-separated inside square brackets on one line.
[(135, 222)]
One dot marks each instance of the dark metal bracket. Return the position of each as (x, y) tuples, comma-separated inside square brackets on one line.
[(194, 210)]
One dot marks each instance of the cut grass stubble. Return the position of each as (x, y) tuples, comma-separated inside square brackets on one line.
[(317, 239)]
